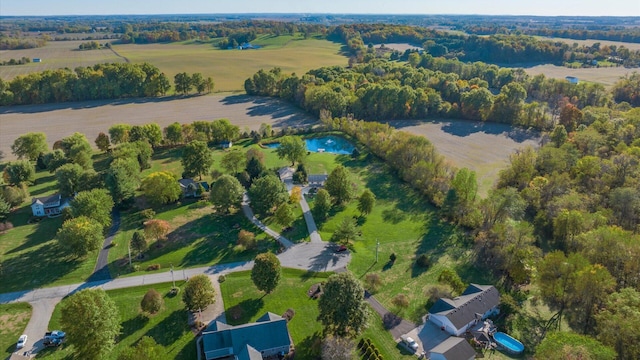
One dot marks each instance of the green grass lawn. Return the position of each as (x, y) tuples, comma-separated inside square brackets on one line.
[(29, 254), (168, 327), (230, 68), (297, 232), (13, 321)]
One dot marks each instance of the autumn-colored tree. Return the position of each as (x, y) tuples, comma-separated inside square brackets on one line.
[(156, 229)]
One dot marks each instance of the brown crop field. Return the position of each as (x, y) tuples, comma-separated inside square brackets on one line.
[(483, 147), (606, 76), (55, 55)]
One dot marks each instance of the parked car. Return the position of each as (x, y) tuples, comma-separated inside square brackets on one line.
[(409, 342), (22, 340), (55, 334), (48, 341), (341, 248)]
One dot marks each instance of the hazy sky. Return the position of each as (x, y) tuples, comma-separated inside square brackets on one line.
[(497, 7)]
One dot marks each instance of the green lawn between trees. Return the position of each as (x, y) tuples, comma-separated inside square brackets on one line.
[(13, 320)]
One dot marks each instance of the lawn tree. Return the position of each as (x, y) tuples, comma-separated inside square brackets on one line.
[(139, 242), (152, 302), (339, 185), (226, 192), (284, 215), (15, 195), (366, 202), (92, 323), (119, 133), (182, 83), (255, 168), (145, 349), (224, 130), (140, 150), (233, 161), (123, 179), (95, 204), (266, 272), (18, 172), (296, 195), (247, 239), (156, 229), (401, 301), (266, 193), (54, 159), (343, 311), (161, 188), (619, 323), (30, 146), (338, 348), (255, 153), (173, 133), (198, 293), (152, 133), (292, 148), (102, 142), (69, 178), (346, 232), (563, 345), (322, 204), (197, 159), (80, 235), (78, 150)]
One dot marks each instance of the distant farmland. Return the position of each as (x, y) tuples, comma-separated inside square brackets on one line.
[(606, 76), (55, 55), (230, 68)]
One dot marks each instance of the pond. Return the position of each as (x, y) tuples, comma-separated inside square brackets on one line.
[(330, 144)]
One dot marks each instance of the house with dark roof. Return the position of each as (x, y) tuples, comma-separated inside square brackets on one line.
[(266, 338), (190, 187), (50, 206), (317, 179), (454, 348), (459, 314)]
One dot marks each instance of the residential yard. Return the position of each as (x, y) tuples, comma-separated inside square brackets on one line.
[(13, 320), (29, 254), (168, 327)]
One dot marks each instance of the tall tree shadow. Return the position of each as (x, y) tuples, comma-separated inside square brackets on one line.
[(170, 329), (132, 325), (244, 311)]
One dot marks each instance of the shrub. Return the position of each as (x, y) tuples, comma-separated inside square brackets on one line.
[(289, 314), (423, 261), (221, 278), (153, 267), (152, 302), (436, 292), (451, 278), (147, 214), (373, 281), (392, 257), (247, 239), (401, 301)]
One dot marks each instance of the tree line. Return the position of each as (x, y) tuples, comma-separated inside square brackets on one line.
[(384, 90), (102, 81), (609, 33)]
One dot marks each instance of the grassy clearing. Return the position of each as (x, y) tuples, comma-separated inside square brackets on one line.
[(13, 320), (55, 55), (606, 76), (30, 256), (168, 327), (230, 68)]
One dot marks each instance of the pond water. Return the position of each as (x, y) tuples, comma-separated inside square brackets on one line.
[(330, 144)]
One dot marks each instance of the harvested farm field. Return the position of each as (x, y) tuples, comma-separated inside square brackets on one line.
[(93, 117), (482, 147), (606, 76), (479, 146)]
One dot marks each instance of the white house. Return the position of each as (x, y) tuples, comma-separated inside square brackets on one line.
[(454, 348), (49, 205), (458, 315)]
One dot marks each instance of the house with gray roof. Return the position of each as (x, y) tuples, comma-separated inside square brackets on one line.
[(459, 314), (267, 338), (454, 348), (317, 179), (50, 206)]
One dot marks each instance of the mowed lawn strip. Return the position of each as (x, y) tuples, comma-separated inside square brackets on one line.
[(168, 327), (13, 321)]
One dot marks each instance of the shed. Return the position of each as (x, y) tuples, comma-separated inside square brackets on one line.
[(454, 348)]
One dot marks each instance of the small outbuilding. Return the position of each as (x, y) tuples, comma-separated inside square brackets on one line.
[(317, 180), (572, 79), (36, 60), (454, 348)]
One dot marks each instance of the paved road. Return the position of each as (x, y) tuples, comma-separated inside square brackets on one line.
[(101, 271)]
